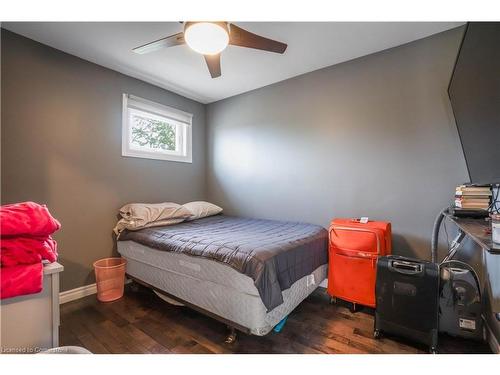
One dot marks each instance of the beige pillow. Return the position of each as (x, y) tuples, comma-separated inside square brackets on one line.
[(141, 215), (132, 225), (201, 209), (149, 212)]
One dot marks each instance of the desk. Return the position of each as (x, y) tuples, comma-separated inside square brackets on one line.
[(474, 246), (476, 229)]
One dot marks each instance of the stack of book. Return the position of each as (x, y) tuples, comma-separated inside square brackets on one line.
[(473, 197)]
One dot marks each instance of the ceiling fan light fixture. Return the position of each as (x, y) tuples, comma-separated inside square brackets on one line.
[(207, 38)]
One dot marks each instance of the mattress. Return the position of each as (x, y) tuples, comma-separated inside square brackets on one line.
[(214, 286), (274, 254)]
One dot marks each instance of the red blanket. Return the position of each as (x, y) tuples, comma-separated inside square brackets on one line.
[(21, 280), (27, 250), (25, 242), (27, 219)]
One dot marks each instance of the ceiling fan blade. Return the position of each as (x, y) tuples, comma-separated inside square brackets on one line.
[(169, 41), (213, 63), (242, 38)]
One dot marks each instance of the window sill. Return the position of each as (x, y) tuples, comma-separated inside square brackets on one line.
[(155, 156)]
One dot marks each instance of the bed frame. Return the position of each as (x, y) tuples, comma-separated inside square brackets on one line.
[(232, 326)]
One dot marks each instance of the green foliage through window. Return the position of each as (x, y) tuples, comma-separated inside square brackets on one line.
[(153, 134)]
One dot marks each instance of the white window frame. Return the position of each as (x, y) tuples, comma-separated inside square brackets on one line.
[(180, 119)]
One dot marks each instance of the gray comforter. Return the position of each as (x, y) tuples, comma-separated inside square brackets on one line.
[(274, 254)]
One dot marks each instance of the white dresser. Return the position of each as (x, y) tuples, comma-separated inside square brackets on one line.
[(30, 323)]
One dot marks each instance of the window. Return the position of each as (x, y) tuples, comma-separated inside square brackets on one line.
[(154, 131)]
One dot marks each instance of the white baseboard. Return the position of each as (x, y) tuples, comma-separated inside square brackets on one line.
[(77, 293)]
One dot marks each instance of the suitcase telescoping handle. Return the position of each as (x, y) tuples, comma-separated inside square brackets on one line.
[(359, 230), (407, 268)]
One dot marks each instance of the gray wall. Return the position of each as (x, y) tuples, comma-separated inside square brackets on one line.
[(61, 145), (371, 137), (374, 136)]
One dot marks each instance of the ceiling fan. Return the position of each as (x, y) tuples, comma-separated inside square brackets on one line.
[(210, 39)]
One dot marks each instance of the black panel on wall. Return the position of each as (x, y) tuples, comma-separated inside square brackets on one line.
[(475, 97)]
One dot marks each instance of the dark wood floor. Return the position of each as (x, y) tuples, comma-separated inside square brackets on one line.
[(141, 322)]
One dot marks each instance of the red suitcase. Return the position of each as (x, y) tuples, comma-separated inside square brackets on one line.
[(353, 251)]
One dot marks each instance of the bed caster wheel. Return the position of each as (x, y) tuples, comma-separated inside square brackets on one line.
[(377, 334), (231, 337), (433, 350), (134, 287), (333, 300), (354, 308)]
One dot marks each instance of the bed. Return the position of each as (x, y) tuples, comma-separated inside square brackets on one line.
[(248, 273)]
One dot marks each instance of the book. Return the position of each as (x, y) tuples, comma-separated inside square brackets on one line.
[(482, 206), (477, 201), (466, 196), (473, 188), (473, 193)]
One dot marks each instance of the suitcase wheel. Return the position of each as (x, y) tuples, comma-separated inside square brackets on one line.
[(377, 334), (433, 350), (333, 300)]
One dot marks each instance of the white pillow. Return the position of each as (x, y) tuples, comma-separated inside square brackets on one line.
[(201, 209)]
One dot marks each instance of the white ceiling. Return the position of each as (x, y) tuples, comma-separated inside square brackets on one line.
[(311, 46)]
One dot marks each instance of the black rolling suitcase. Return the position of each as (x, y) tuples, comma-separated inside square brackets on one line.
[(407, 293)]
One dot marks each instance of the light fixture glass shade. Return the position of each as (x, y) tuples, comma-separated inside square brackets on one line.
[(207, 38)]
